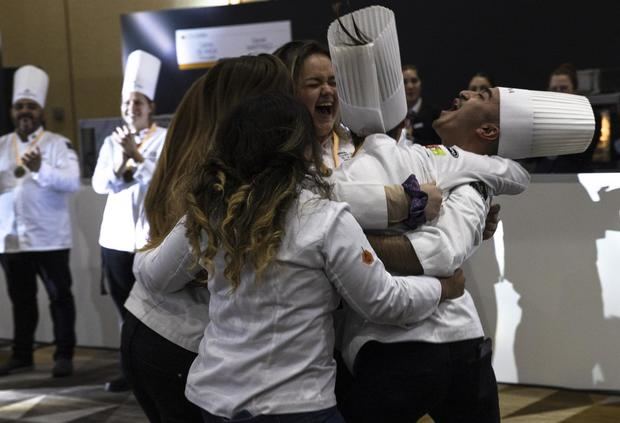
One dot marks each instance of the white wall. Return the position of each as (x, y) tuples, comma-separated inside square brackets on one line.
[(549, 291)]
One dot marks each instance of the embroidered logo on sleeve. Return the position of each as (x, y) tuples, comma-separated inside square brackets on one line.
[(453, 152), (367, 257), (436, 149)]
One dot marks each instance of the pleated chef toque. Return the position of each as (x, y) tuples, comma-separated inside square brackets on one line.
[(543, 123), (141, 73), (30, 82), (369, 77)]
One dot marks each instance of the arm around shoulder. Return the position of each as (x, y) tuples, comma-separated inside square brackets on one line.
[(169, 266), (501, 175)]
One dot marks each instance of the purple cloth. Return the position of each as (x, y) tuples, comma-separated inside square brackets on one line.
[(418, 202)]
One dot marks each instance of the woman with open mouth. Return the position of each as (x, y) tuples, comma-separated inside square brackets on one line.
[(315, 86)]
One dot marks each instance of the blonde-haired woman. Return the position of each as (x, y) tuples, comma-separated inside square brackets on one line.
[(162, 331), (280, 255)]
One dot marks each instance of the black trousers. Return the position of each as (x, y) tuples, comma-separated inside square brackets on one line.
[(327, 415), (21, 270), (118, 270), (157, 372), (401, 382)]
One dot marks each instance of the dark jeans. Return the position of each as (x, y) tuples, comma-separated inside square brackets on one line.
[(401, 382), (118, 270), (328, 415), (157, 372), (21, 271)]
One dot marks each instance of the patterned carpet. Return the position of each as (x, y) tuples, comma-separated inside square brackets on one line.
[(37, 397)]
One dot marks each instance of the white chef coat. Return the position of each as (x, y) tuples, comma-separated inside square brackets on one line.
[(441, 246), (268, 347), (34, 209), (179, 314), (124, 226)]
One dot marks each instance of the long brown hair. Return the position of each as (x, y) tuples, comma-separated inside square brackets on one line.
[(193, 126), (262, 156)]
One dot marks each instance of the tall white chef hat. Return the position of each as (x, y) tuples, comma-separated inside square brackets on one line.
[(141, 73), (543, 123), (369, 77), (30, 82)]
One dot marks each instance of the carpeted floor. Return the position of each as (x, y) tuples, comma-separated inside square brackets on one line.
[(37, 397)]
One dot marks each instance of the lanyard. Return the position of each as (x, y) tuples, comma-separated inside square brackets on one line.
[(335, 149), (131, 163), (147, 136)]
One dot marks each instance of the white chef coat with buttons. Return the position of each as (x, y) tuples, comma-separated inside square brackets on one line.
[(124, 226), (442, 245), (34, 209)]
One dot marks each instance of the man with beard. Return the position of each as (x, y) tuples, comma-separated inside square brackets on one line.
[(38, 172)]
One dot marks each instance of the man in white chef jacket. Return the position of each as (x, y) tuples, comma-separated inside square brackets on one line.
[(38, 172), (441, 366), (125, 166)]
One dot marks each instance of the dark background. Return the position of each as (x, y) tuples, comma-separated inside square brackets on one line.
[(518, 42)]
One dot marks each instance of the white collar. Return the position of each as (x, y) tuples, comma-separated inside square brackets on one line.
[(32, 136), (376, 140), (417, 106)]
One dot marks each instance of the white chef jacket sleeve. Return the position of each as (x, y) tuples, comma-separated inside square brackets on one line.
[(104, 180), (367, 200), (169, 266), (60, 171), (361, 279), (7, 180), (456, 166), (444, 244)]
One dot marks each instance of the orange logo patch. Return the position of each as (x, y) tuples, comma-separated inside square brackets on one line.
[(367, 257)]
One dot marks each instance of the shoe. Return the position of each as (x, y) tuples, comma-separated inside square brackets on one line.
[(63, 367), (119, 384), (15, 365)]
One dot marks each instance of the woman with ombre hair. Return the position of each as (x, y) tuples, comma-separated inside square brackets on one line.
[(161, 333), (209, 99), (280, 256)]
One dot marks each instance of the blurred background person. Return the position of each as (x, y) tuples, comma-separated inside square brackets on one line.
[(480, 81), (124, 170), (38, 172), (564, 79), (421, 114)]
